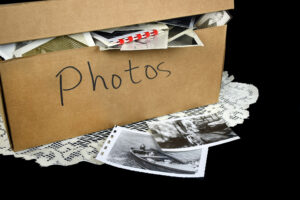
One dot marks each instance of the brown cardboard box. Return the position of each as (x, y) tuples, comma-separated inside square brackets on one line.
[(64, 94)]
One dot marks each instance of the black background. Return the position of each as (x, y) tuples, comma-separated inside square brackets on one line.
[(246, 164)]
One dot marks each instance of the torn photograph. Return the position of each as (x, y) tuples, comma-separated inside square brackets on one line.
[(191, 133), (138, 151)]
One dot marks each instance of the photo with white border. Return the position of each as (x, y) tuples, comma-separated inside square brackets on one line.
[(191, 133), (138, 151)]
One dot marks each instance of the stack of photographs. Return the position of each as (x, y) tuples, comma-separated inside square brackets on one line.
[(176, 147), (172, 33)]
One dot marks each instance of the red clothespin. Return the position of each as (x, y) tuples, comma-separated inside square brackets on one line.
[(121, 41), (139, 36), (130, 39), (147, 34), (155, 32)]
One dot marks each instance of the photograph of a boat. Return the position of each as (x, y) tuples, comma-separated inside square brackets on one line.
[(152, 159)]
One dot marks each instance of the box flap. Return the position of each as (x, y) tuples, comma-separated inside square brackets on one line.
[(35, 20)]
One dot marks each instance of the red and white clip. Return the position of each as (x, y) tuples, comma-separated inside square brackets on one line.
[(137, 37)]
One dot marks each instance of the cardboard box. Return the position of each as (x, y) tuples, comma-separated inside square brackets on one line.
[(59, 95)]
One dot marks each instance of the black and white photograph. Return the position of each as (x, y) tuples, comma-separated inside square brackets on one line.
[(213, 19), (138, 151), (191, 132), (180, 37), (184, 22)]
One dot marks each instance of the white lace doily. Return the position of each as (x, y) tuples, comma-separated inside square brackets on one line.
[(234, 101)]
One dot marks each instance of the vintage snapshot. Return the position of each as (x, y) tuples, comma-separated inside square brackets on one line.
[(110, 37), (55, 44), (181, 37), (219, 18), (184, 22), (155, 42), (138, 151), (103, 47), (191, 133)]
